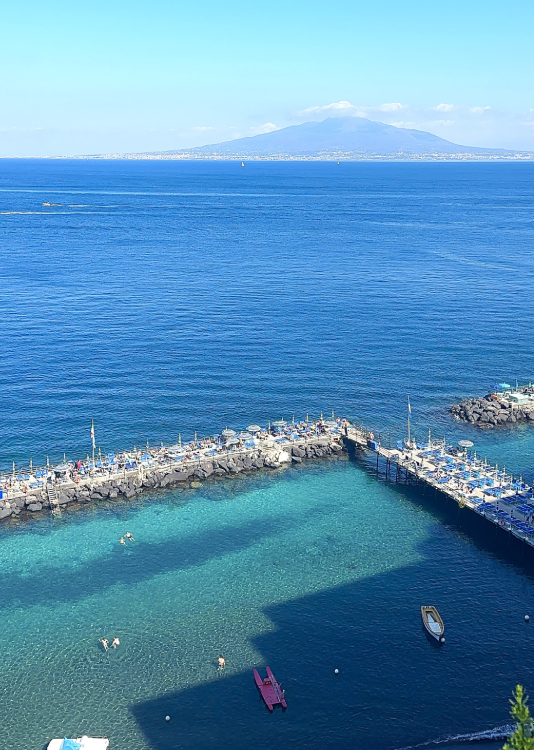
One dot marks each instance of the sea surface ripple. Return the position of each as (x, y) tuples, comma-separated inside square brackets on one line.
[(160, 298)]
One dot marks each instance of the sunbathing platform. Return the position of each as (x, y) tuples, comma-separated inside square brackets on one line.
[(458, 473)]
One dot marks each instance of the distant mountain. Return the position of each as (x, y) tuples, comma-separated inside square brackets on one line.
[(336, 137)]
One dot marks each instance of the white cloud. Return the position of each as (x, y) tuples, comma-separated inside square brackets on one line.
[(444, 108), (267, 127), (344, 109), (202, 129), (478, 110), (392, 107), (335, 107), (456, 108), (403, 124)]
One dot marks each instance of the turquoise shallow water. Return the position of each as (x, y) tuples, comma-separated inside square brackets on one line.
[(306, 570), (161, 298), (198, 581)]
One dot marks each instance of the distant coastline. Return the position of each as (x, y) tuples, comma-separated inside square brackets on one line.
[(346, 139), (190, 156)]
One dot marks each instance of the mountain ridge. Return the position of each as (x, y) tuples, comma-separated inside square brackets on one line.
[(337, 137), (332, 139)]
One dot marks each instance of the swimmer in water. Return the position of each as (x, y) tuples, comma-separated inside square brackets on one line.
[(129, 536), (104, 642), (121, 540), (115, 642), (222, 664)]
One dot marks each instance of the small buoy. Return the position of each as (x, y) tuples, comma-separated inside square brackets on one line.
[(527, 618), (167, 718), (336, 671), (442, 639)]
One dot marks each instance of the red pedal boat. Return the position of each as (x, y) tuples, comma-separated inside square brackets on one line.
[(270, 690)]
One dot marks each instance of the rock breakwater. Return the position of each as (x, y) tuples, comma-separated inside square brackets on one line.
[(127, 483), (489, 412)]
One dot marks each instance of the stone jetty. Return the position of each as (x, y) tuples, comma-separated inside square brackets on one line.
[(127, 475), (493, 410)]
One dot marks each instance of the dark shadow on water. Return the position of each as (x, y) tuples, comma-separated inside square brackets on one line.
[(486, 536), (130, 564), (394, 688)]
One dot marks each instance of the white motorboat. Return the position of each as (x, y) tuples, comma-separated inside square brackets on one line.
[(81, 743)]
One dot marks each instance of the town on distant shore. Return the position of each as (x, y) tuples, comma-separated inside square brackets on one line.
[(338, 139)]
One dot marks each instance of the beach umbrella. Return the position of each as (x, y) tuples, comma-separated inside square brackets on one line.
[(244, 435), (228, 433), (330, 423), (279, 423), (232, 441), (254, 428), (465, 444)]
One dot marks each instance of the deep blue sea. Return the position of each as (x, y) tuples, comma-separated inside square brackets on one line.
[(164, 298)]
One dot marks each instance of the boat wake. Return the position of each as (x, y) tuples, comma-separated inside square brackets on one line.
[(497, 733)]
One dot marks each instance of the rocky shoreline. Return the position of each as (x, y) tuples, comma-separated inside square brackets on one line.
[(487, 412), (131, 483)]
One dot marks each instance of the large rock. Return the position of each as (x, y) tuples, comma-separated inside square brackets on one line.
[(5, 513), (30, 499), (180, 476), (34, 507), (167, 479), (297, 451)]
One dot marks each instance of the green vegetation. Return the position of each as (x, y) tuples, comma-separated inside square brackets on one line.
[(522, 738)]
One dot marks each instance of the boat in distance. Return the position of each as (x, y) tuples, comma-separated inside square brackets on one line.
[(270, 690), (433, 623), (83, 743)]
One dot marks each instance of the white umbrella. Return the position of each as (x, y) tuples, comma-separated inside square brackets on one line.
[(254, 428)]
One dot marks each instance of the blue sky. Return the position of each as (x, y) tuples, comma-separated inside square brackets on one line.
[(99, 77)]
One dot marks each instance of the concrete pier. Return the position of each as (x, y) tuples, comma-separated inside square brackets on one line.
[(473, 484)]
